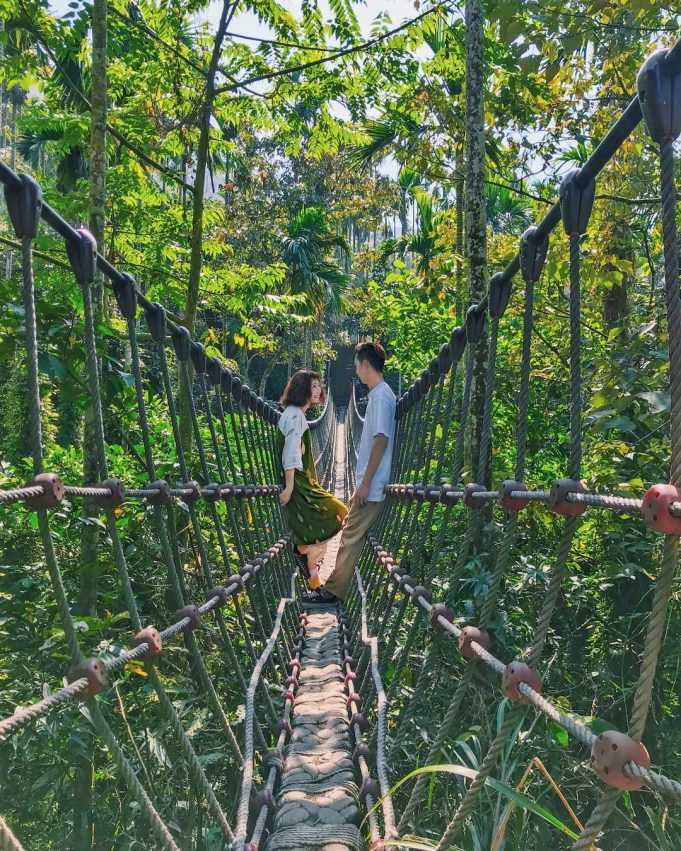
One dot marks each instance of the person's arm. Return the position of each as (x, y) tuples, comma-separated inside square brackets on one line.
[(291, 456), (378, 447), (287, 493)]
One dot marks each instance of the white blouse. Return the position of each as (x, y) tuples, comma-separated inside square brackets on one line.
[(292, 424)]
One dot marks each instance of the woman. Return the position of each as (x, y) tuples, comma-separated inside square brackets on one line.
[(314, 515)]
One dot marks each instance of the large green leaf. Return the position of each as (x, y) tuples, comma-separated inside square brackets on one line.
[(518, 798)]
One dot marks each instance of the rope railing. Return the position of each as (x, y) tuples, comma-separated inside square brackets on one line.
[(371, 646), (117, 493), (247, 782), (441, 616), (323, 438), (151, 642), (555, 497)]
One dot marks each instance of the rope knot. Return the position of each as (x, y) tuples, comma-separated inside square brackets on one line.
[(24, 199), (159, 493), (656, 509), (506, 498), (358, 719), (273, 759), (53, 491), (658, 92), (470, 634), (220, 593), (152, 638), (94, 671), (157, 321), (192, 613), (439, 610), (116, 495), (81, 249), (125, 290), (558, 499), (194, 491), (516, 673), (533, 253), (610, 752), (360, 750), (369, 788)]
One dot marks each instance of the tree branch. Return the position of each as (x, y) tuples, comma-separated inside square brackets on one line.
[(310, 47), (623, 200), (42, 254), (175, 50), (357, 48)]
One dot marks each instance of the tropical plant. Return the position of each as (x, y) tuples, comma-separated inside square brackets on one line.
[(507, 211), (312, 271)]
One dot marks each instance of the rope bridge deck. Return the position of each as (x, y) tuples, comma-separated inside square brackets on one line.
[(318, 804), (336, 702), (318, 801)]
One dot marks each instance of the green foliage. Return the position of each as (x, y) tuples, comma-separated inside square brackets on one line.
[(337, 188), (305, 252)]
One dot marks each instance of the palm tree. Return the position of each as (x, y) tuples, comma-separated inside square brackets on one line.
[(71, 166), (506, 211), (408, 181), (421, 243), (384, 134), (312, 269)]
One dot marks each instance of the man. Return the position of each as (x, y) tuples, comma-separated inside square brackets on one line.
[(373, 470)]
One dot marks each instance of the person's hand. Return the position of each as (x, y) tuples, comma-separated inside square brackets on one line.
[(285, 496), (361, 494)]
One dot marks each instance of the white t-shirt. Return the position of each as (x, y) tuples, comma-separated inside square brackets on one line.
[(379, 419), (292, 424)]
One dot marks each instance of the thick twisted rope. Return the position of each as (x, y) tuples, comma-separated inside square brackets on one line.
[(28, 714), (381, 709), (8, 841), (249, 745), (575, 364)]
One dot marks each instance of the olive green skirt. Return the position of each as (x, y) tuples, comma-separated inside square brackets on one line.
[(314, 515)]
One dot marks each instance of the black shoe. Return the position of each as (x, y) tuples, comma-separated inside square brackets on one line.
[(321, 595), (301, 564)]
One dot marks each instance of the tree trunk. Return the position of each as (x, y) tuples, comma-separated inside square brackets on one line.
[(461, 291), (404, 221), (91, 472), (196, 260), (461, 295), (89, 567), (476, 221), (615, 299), (3, 114), (9, 257), (3, 109)]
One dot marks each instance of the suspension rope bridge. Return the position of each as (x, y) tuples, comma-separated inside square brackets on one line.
[(324, 721)]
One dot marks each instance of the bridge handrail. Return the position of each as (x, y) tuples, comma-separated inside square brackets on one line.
[(122, 279)]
